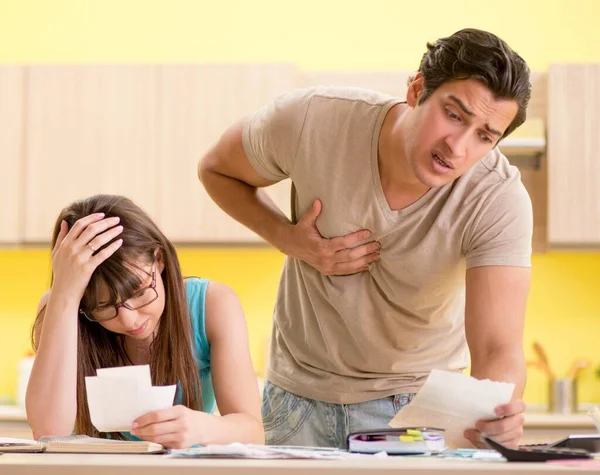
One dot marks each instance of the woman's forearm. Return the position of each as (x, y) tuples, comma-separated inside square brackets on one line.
[(241, 428), (51, 399)]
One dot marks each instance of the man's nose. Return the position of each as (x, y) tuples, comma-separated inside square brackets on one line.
[(458, 143)]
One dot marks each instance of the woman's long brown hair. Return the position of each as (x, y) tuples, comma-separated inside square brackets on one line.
[(172, 359)]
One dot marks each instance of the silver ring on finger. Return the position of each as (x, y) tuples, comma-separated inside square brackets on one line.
[(91, 246)]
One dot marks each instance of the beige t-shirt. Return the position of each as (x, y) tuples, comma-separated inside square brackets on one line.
[(348, 339)]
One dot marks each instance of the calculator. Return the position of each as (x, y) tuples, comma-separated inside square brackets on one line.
[(537, 453)]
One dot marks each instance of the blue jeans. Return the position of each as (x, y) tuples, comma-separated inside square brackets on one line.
[(294, 420)]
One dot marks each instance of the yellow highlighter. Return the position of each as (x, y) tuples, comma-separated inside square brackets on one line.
[(399, 441)]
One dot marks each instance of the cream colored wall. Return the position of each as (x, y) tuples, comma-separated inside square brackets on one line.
[(313, 34), (563, 310)]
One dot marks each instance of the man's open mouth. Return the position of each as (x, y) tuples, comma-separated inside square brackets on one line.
[(437, 158)]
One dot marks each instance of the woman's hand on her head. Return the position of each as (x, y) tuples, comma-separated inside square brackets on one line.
[(176, 427), (75, 256)]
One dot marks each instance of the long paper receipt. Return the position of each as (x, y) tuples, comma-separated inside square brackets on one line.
[(453, 402), (118, 396)]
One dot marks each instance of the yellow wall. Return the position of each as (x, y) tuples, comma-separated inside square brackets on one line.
[(314, 34), (563, 311)]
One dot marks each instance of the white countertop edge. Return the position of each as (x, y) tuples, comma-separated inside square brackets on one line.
[(541, 419), (549, 420), (12, 414)]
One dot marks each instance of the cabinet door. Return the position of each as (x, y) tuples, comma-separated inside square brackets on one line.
[(90, 129), (197, 104), (574, 154), (11, 150)]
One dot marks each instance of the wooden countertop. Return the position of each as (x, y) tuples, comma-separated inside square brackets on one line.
[(71, 464)]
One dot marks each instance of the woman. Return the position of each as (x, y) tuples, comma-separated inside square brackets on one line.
[(118, 298)]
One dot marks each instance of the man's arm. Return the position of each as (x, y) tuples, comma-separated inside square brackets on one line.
[(494, 320), (496, 298), (232, 182), (234, 185)]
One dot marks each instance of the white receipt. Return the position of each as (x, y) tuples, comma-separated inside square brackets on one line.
[(453, 402), (118, 396)]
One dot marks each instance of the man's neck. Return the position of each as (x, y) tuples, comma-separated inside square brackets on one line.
[(400, 186)]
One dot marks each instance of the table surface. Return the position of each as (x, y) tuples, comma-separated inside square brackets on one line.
[(70, 464)]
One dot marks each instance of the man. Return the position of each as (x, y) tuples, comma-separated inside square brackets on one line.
[(410, 238)]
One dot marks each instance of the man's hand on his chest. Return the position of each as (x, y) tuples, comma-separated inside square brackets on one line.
[(342, 255)]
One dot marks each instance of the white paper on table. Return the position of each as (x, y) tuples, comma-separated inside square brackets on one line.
[(453, 402), (115, 402), (14, 441), (250, 451)]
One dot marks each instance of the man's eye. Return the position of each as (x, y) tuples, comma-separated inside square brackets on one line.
[(452, 115)]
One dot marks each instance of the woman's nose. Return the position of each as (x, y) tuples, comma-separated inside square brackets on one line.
[(127, 317)]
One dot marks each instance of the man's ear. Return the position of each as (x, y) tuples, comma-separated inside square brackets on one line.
[(416, 88)]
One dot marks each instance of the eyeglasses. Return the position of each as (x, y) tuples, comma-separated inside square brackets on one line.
[(140, 299)]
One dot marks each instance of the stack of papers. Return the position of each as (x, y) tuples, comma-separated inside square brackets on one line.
[(472, 454), (453, 402), (118, 396), (249, 451)]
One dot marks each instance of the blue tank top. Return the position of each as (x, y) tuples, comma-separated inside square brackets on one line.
[(195, 291)]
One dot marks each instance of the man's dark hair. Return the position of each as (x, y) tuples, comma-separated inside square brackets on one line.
[(480, 55)]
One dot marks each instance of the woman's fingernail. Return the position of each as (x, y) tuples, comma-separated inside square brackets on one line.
[(134, 425)]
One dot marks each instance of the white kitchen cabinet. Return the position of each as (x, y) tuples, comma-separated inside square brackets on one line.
[(89, 129), (138, 131), (11, 150), (197, 104), (574, 154), (68, 132)]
